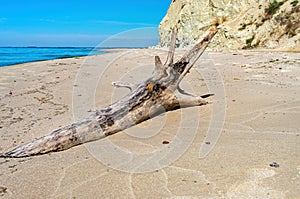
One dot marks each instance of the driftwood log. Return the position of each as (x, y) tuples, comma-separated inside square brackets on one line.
[(161, 92)]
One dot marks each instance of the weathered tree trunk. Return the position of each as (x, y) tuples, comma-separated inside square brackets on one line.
[(159, 93)]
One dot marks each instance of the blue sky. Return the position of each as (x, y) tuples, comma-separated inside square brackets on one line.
[(74, 23)]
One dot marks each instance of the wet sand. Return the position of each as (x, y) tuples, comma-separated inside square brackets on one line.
[(256, 154)]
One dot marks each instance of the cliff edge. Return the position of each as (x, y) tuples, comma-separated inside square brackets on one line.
[(244, 24)]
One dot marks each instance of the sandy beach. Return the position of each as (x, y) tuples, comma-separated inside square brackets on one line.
[(254, 119)]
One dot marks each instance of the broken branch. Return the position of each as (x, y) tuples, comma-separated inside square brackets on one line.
[(124, 85), (193, 55), (171, 53)]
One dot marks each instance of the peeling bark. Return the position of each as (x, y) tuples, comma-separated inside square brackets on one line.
[(160, 92)]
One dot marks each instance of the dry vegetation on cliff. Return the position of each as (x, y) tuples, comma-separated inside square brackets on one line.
[(246, 24)]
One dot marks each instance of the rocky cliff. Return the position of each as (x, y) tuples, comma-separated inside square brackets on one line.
[(244, 24)]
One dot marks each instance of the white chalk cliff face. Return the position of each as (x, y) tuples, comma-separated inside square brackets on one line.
[(245, 24)]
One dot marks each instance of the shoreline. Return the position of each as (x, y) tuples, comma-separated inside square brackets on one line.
[(37, 61), (93, 51), (103, 50), (109, 50)]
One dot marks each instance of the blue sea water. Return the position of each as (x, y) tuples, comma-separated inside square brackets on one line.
[(18, 55)]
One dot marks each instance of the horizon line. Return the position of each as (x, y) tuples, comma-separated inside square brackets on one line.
[(72, 47)]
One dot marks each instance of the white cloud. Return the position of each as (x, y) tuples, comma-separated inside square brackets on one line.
[(48, 20), (3, 19), (139, 37), (123, 23), (55, 40)]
